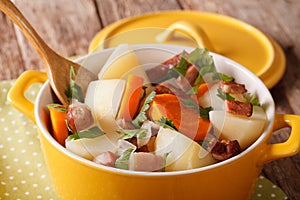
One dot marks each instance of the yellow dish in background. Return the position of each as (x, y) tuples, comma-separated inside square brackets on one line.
[(221, 34)]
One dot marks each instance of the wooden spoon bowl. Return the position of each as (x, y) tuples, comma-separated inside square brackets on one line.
[(57, 67)]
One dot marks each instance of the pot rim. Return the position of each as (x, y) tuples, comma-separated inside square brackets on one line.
[(43, 130)]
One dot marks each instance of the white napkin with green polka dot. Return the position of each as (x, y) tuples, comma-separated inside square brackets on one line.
[(23, 172)]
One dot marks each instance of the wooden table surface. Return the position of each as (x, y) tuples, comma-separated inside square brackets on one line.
[(68, 26)]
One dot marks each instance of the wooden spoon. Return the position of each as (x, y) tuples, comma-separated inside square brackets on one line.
[(58, 67)]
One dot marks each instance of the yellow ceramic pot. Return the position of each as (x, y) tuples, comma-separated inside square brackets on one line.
[(76, 178)]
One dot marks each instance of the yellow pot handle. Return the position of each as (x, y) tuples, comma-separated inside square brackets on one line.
[(188, 28), (289, 147), (16, 95)]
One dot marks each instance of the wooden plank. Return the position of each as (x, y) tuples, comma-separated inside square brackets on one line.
[(287, 14), (112, 11), (11, 62), (67, 27), (289, 87)]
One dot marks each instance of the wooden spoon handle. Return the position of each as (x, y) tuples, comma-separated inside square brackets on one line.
[(44, 51)]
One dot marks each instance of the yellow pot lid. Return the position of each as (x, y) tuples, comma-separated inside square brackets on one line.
[(221, 34)]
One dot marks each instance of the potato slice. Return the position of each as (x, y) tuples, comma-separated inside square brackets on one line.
[(91, 147), (234, 127), (104, 97), (183, 153), (210, 98), (121, 61)]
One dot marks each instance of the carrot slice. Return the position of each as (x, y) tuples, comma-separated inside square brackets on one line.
[(58, 116), (185, 119), (131, 98), (202, 89)]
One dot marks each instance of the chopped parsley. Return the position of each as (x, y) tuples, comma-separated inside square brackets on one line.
[(203, 112), (224, 96), (205, 63), (253, 100), (193, 90), (164, 122), (141, 117), (58, 107), (89, 133), (226, 78), (190, 103), (201, 58), (122, 161), (75, 91), (128, 134), (181, 67), (165, 155)]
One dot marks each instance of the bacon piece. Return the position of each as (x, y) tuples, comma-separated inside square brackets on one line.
[(232, 87), (168, 88), (149, 147), (189, 79), (147, 162), (163, 89), (106, 158), (191, 74), (79, 116), (224, 149), (156, 73), (238, 108)]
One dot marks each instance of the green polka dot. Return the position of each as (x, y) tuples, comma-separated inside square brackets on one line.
[(265, 190), (23, 172)]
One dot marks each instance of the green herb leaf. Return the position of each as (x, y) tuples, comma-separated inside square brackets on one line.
[(165, 155), (204, 112), (201, 58), (58, 107), (181, 67), (127, 134), (122, 161), (89, 133), (171, 74), (75, 91), (190, 103), (193, 90), (198, 79), (226, 78), (220, 76), (141, 117), (254, 100), (207, 69), (224, 96), (142, 134), (74, 136), (167, 123)]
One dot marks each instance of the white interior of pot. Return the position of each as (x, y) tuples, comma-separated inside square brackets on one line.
[(94, 62)]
